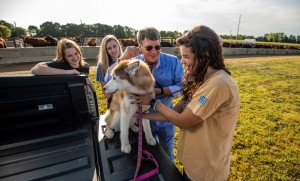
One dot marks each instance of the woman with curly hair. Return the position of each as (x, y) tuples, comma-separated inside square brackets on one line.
[(208, 111)]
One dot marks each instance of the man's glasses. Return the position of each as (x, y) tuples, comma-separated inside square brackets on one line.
[(149, 48)]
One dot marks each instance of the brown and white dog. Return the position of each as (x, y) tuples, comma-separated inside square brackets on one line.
[(128, 77)]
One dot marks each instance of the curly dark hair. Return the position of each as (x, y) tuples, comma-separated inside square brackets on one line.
[(205, 45)]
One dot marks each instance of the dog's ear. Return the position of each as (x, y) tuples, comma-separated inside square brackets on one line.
[(132, 67)]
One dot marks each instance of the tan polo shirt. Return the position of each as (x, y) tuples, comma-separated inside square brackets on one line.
[(204, 150)]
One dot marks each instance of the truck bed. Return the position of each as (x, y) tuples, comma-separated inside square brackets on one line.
[(49, 129)]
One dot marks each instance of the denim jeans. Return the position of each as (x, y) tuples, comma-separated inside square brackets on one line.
[(165, 137)]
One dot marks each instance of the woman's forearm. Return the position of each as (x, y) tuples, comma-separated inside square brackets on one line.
[(154, 116), (159, 117), (179, 117), (43, 69), (166, 113)]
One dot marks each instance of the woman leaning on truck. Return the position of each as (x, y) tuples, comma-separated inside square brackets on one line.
[(68, 60)]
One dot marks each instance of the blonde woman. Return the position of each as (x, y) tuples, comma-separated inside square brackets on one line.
[(68, 60), (109, 52)]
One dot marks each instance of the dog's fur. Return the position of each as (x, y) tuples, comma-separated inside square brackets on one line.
[(128, 77)]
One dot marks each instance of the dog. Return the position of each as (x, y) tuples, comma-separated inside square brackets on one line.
[(128, 77)]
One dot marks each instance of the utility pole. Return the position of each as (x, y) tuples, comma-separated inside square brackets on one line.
[(81, 37), (238, 29), (81, 27), (16, 29)]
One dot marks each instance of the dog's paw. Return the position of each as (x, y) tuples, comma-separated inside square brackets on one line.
[(109, 133), (134, 128), (126, 148), (150, 140)]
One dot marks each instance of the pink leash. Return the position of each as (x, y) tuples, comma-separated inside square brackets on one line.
[(141, 152)]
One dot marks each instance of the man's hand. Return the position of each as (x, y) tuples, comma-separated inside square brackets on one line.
[(130, 51)]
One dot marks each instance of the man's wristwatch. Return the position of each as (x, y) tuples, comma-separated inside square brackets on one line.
[(154, 102), (161, 90)]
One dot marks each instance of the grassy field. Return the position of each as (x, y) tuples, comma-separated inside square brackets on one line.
[(267, 138)]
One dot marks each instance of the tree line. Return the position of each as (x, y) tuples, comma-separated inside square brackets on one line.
[(55, 29), (8, 30)]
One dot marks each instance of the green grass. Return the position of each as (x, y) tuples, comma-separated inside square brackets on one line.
[(267, 138)]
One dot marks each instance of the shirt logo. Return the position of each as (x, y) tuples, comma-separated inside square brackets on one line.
[(202, 100)]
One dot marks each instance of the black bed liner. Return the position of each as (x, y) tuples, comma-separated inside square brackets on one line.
[(49, 131)]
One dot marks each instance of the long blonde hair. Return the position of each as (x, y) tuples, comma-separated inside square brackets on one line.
[(64, 44), (103, 57)]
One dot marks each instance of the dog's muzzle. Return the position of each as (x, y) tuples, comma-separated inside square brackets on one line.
[(104, 89)]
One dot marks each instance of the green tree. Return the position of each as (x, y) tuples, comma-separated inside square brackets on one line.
[(70, 30), (5, 32), (292, 39), (18, 32), (298, 39), (280, 37), (130, 32), (119, 31), (101, 29), (107, 30), (270, 37), (225, 36), (9, 25), (33, 30), (170, 34), (285, 39), (50, 28), (266, 37), (86, 29)]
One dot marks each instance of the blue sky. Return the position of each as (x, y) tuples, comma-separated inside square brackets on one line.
[(258, 17)]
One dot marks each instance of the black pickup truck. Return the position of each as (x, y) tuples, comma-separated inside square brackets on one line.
[(49, 130)]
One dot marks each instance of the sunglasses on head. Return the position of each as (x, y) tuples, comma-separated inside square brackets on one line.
[(149, 48)]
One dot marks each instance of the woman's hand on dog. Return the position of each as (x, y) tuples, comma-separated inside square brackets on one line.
[(141, 99)]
